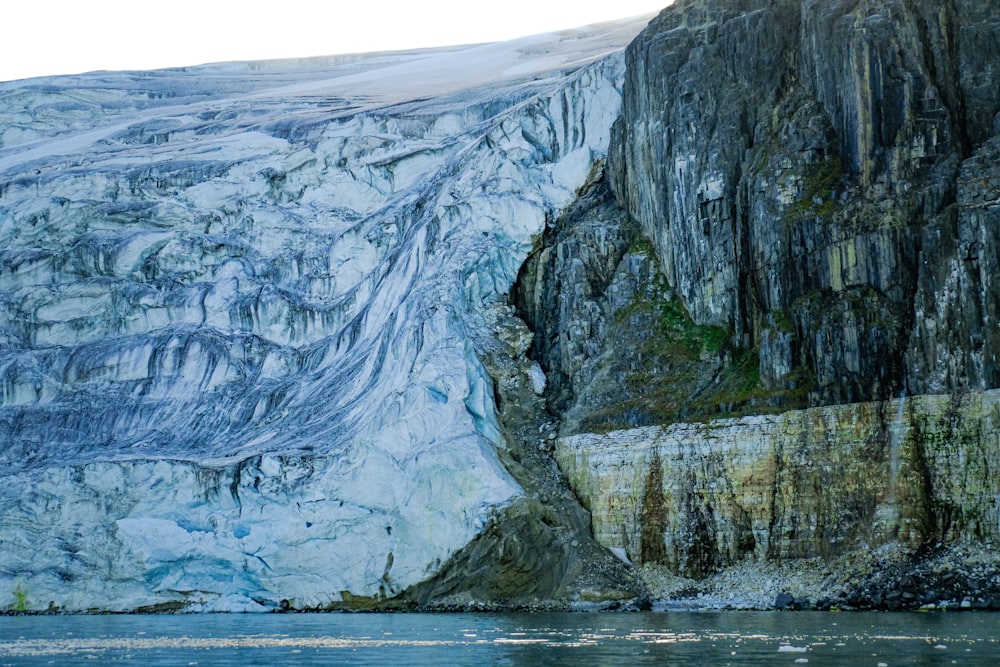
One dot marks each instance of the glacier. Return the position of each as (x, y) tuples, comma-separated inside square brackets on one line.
[(242, 311)]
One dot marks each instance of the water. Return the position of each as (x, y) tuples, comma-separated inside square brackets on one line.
[(689, 638)]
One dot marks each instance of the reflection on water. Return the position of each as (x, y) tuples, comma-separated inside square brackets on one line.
[(689, 638)]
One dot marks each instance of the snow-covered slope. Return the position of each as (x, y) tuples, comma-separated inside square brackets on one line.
[(239, 312)]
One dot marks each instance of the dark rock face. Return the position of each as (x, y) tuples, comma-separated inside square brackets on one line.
[(616, 344), (820, 179), (816, 186), (563, 289), (955, 336)]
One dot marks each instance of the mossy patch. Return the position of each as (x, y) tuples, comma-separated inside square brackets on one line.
[(641, 246), (782, 321), (654, 515), (672, 331), (820, 184), (662, 367), (20, 599)]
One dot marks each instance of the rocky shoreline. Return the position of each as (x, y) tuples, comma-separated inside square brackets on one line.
[(937, 577), (890, 578)]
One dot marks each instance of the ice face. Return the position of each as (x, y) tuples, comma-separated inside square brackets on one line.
[(238, 330)]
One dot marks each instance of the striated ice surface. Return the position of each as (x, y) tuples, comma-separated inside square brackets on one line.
[(240, 308)]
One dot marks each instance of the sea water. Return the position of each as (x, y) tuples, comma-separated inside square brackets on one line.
[(618, 639)]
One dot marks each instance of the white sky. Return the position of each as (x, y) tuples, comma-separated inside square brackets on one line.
[(41, 37)]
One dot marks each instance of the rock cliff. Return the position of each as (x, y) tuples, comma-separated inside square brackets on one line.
[(819, 188), (803, 484), (818, 178)]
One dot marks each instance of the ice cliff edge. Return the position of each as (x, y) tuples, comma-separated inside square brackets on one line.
[(240, 308)]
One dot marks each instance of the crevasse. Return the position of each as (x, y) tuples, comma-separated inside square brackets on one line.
[(238, 320)]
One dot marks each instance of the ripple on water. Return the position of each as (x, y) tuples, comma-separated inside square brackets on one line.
[(735, 639)]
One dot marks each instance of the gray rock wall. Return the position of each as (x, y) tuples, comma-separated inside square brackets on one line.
[(819, 186), (820, 175)]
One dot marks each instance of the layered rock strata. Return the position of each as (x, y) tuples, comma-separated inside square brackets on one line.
[(808, 483)]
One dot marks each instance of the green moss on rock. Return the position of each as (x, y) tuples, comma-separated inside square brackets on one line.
[(669, 368)]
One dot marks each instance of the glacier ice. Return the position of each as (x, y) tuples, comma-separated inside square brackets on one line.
[(239, 307)]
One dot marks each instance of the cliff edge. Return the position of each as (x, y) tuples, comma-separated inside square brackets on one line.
[(777, 341)]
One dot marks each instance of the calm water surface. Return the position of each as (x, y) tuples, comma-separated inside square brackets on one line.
[(672, 638)]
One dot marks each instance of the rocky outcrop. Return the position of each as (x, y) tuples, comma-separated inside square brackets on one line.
[(818, 183), (616, 344), (813, 483), (569, 288), (817, 178)]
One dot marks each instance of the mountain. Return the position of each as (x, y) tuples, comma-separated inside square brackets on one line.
[(808, 372), (708, 320)]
